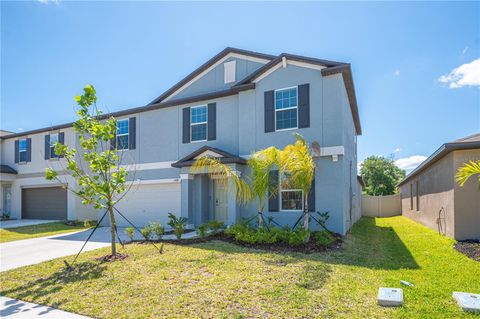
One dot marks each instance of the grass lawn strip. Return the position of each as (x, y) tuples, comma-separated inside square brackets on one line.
[(222, 280), (34, 231)]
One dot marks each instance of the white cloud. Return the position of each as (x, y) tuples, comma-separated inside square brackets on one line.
[(398, 149), (465, 50), (467, 74), (411, 162), (396, 73)]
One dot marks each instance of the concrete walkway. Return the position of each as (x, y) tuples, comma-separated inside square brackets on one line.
[(24, 222), (17, 309), (25, 252)]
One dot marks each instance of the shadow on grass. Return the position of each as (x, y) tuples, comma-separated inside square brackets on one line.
[(367, 245), (49, 285)]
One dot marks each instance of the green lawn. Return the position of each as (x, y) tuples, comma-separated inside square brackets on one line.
[(27, 232), (222, 280)]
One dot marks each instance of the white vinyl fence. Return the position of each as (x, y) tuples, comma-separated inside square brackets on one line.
[(381, 206)]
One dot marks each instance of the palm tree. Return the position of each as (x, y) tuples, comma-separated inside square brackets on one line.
[(466, 171), (258, 184), (261, 163), (297, 165)]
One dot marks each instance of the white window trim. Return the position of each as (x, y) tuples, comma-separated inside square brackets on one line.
[(123, 134), (192, 124), (20, 151), (229, 71), (284, 109), (55, 156)]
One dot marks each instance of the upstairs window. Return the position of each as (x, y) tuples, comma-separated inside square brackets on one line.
[(122, 134), (198, 123), (286, 109), (22, 150), (53, 139), (229, 71)]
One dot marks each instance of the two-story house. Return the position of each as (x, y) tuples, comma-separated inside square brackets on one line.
[(236, 103)]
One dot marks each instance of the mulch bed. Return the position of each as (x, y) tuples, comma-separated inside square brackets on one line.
[(310, 247), (470, 248)]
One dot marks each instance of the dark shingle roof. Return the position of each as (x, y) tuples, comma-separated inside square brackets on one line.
[(7, 169)]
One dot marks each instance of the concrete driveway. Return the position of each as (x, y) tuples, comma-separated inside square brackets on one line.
[(17, 309), (24, 222)]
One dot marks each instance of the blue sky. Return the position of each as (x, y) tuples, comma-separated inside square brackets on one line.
[(404, 56)]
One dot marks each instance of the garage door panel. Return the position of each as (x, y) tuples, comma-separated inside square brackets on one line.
[(149, 203), (44, 203)]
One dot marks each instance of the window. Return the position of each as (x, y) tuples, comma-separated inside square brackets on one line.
[(229, 71), (290, 199), (22, 150), (286, 109), (122, 134), (198, 123), (53, 140)]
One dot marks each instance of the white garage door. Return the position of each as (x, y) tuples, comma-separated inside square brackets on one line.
[(149, 203)]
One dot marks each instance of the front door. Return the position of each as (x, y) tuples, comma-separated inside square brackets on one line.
[(220, 201), (7, 200)]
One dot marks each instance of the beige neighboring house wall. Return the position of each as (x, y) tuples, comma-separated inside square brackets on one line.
[(440, 203)]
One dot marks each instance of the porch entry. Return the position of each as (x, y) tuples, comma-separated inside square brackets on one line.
[(220, 201)]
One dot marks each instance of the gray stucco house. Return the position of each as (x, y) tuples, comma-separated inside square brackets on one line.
[(236, 103)]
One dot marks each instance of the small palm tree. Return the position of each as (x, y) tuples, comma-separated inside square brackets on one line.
[(297, 164), (261, 164), (466, 171)]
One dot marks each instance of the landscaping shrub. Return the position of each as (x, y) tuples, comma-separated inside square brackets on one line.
[(157, 229), (215, 225), (87, 223), (130, 231), (147, 232), (202, 230), (178, 224), (323, 238), (247, 234)]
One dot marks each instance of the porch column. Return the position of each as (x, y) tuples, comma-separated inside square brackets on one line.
[(232, 203), (186, 195)]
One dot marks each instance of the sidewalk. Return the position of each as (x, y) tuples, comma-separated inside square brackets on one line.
[(17, 309)]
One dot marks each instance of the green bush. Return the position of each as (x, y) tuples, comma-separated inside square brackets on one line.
[(147, 232), (87, 223), (178, 224), (202, 230), (157, 229), (215, 225), (323, 238), (130, 231), (247, 234)]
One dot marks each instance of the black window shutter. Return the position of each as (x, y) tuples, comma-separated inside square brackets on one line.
[(186, 125), (212, 121), (273, 193), (47, 146), (269, 112), (61, 138), (29, 149), (304, 105), (16, 152), (311, 197), (132, 133)]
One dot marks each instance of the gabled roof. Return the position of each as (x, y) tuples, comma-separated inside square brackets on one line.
[(222, 156), (207, 65), (7, 169), (465, 143)]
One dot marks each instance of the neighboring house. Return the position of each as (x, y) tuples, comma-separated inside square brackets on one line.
[(234, 104), (430, 195)]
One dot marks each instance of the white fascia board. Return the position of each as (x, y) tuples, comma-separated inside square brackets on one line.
[(230, 55), (154, 181), (147, 166), (324, 151)]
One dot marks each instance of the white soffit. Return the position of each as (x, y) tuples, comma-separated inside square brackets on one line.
[(208, 154), (230, 55)]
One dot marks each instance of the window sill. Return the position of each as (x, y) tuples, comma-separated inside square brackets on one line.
[(199, 141), (286, 129), (290, 211), (54, 159)]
